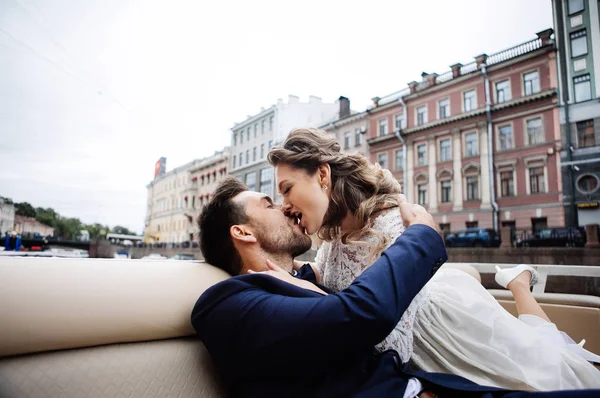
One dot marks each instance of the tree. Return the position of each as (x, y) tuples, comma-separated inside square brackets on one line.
[(25, 209), (68, 228), (8, 201), (117, 229), (47, 216)]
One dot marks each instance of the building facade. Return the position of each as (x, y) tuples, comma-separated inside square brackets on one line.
[(478, 145), (174, 198), (7, 217), (252, 138), (577, 26), (31, 226), (203, 182), (349, 128)]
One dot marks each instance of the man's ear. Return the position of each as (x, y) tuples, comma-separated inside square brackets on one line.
[(242, 233)]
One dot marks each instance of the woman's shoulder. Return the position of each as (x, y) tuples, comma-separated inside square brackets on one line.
[(389, 223)]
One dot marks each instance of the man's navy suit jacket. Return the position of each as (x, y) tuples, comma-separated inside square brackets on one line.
[(269, 338)]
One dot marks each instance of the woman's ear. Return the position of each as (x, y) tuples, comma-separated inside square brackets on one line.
[(324, 172), (242, 233)]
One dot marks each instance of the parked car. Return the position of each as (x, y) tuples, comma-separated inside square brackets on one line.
[(559, 237), (474, 237)]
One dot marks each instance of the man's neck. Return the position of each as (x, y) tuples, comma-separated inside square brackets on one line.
[(257, 261)]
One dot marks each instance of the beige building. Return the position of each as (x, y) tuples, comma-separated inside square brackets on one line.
[(7, 217), (175, 198), (349, 128), (31, 226)]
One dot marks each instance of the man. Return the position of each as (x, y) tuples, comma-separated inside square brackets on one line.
[(274, 338), (12, 242)]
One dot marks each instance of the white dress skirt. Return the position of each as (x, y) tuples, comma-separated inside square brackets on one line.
[(461, 329), (455, 326)]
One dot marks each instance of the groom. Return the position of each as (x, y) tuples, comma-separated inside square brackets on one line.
[(285, 336)]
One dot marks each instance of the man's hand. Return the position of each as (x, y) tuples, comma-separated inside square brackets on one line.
[(414, 214)]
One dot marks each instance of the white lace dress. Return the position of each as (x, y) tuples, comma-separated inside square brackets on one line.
[(455, 326)]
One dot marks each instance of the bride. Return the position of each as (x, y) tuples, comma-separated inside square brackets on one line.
[(453, 325)]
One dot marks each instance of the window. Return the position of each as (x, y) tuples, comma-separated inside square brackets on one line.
[(576, 6), (399, 161), (398, 122), (357, 137), (271, 123), (578, 43), (536, 180), (234, 139), (255, 129), (262, 126), (421, 155), (266, 181), (383, 127), (535, 133), (247, 156), (382, 159), (422, 194), (446, 191), (445, 151), (242, 137), (505, 137), (248, 134), (502, 91), (587, 184), (470, 100), (254, 154), (421, 115), (270, 144), (444, 106), (472, 224), (251, 181), (583, 88), (241, 158), (531, 83), (262, 151), (347, 137), (233, 161), (472, 188), (471, 145), (585, 134)]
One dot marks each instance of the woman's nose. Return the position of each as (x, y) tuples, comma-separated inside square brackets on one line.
[(286, 207)]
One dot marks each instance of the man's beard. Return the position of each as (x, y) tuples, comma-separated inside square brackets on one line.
[(282, 241)]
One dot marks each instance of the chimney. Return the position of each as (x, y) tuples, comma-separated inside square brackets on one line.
[(375, 101), (480, 59), (456, 70), (431, 78), (424, 76), (412, 86), (293, 99), (544, 36), (314, 99), (344, 107)]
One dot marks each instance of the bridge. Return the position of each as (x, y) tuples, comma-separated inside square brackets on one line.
[(45, 243)]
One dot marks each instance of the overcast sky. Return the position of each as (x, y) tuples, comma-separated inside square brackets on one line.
[(92, 93)]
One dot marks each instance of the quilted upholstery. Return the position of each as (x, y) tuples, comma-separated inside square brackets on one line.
[(68, 303), (169, 368)]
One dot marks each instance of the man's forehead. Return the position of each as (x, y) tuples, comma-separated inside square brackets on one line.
[(250, 197)]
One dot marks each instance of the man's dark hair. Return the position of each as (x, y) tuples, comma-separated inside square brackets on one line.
[(216, 219)]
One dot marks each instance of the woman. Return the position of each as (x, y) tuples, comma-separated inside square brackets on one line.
[(453, 325)]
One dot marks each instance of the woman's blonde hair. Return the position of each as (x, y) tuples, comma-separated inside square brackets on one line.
[(357, 186)]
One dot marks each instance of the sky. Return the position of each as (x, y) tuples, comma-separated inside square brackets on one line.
[(92, 93)]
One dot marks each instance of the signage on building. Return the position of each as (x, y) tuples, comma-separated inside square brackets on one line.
[(588, 205), (160, 167)]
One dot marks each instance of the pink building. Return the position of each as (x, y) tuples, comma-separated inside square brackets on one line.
[(482, 140)]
